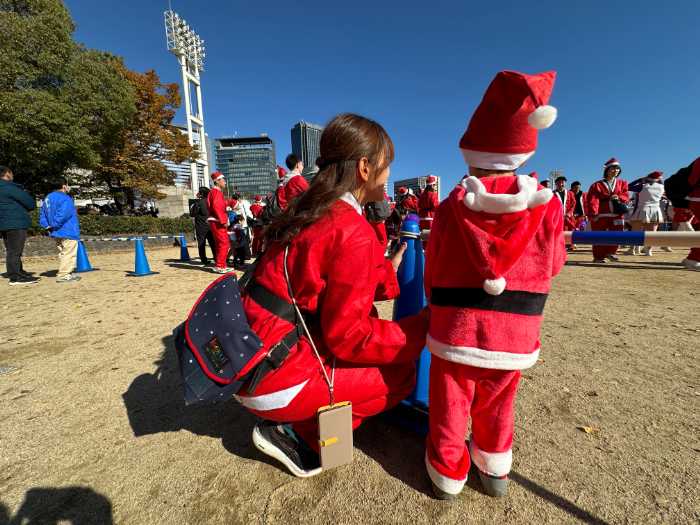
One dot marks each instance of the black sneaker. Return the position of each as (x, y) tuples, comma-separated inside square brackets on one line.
[(441, 494), (496, 487), (23, 279), (277, 442)]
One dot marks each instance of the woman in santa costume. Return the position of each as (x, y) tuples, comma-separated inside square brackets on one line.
[(495, 244), (291, 184), (428, 203), (336, 268), (256, 210), (218, 221), (602, 210)]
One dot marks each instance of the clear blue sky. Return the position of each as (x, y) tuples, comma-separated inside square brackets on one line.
[(628, 77)]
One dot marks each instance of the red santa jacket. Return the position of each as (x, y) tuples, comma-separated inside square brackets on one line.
[(256, 209), (428, 204), (410, 203), (291, 186), (216, 204), (337, 269), (494, 247), (599, 197)]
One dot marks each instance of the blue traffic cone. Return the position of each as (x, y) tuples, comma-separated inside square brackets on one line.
[(412, 299), (184, 254), (83, 263), (141, 267)]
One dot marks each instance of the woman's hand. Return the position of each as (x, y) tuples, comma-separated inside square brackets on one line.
[(398, 256)]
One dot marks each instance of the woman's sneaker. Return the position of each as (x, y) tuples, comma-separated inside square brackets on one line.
[(282, 443), (496, 487)]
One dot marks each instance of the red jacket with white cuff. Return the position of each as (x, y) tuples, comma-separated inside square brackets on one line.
[(494, 247), (599, 197)]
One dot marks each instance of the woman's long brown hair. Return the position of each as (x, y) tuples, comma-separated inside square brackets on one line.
[(345, 140)]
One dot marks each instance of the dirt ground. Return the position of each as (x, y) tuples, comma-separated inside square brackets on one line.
[(93, 428)]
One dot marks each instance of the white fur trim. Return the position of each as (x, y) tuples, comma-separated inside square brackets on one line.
[(449, 485), (352, 201), (693, 199), (492, 463), (494, 286), (219, 176), (273, 400), (495, 161), (542, 117), (480, 358), (528, 196), (616, 163)]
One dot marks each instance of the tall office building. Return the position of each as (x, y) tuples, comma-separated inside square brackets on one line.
[(415, 184), (248, 163), (306, 138)]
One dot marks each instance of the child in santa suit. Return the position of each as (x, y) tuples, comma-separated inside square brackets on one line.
[(256, 209), (428, 203), (495, 244)]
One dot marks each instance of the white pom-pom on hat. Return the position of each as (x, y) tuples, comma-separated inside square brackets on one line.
[(542, 117), (494, 286)]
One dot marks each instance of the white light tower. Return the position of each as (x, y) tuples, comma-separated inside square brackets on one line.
[(186, 45)]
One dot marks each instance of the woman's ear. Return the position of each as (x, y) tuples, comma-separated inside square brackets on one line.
[(363, 169)]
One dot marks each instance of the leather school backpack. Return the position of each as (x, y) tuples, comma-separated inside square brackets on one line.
[(218, 352)]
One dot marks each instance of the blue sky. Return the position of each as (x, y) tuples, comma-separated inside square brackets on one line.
[(628, 81)]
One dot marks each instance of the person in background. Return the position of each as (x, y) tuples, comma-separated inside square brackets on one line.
[(291, 184), (544, 183), (242, 244), (60, 219), (647, 213), (567, 203), (256, 210), (219, 221), (602, 204), (407, 200), (428, 203), (200, 213), (579, 208), (15, 205)]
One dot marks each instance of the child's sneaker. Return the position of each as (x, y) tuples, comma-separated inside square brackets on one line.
[(496, 487)]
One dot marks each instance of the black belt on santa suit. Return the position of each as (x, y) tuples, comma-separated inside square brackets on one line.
[(510, 301)]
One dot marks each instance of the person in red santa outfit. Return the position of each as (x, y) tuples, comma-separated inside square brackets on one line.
[(291, 184), (256, 209), (428, 203), (687, 204), (336, 269), (407, 201), (218, 221), (568, 202), (495, 244), (602, 203), (579, 208)]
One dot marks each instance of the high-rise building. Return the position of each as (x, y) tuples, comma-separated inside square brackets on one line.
[(415, 184), (248, 163), (306, 140)]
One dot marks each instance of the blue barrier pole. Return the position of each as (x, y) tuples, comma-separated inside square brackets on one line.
[(659, 238)]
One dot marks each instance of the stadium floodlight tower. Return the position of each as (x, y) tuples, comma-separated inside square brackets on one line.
[(186, 45)]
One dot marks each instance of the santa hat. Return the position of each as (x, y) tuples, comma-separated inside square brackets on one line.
[(498, 227), (502, 133), (658, 175), (430, 180), (403, 190), (534, 175), (258, 198), (216, 176), (612, 162), (281, 172)]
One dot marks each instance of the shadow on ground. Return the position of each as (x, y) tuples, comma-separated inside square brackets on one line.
[(51, 506)]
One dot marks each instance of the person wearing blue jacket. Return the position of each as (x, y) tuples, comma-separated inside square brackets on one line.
[(60, 219), (15, 205)]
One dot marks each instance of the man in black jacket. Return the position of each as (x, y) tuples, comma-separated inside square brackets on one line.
[(199, 211)]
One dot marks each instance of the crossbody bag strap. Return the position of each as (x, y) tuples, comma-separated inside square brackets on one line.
[(300, 319)]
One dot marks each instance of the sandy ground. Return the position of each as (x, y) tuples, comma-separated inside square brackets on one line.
[(93, 430)]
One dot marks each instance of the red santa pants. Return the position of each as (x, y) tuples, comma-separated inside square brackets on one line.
[(370, 389), (694, 254), (606, 224), (222, 242), (457, 392)]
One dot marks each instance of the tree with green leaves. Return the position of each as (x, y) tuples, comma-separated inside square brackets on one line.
[(61, 104)]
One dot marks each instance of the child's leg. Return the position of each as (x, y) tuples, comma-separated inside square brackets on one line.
[(447, 457), (493, 421)]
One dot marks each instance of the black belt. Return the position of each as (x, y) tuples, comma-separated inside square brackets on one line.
[(278, 352), (510, 301)]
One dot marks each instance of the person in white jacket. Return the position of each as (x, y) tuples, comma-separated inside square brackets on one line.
[(647, 214)]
